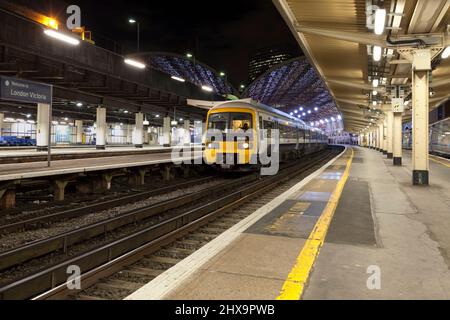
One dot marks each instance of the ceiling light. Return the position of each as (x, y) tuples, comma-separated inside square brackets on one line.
[(62, 37), (206, 88), (375, 93), (132, 20), (376, 83), (380, 21), (446, 53), (135, 63), (178, 79), (79, 104), (377, 53)]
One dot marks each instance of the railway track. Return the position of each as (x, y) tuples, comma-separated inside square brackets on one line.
[(28, 224), (159, 244)]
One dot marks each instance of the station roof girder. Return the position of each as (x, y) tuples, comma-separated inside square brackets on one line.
[(334, 35)]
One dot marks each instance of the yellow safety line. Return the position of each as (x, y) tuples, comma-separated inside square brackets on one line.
[(440, 162), (297, 279)]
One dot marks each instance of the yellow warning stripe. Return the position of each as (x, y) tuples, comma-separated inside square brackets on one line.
[(297, 279), (441, 162)]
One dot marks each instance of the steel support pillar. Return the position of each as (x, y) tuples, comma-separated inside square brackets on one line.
[(138, 133), (420, 146), (101, 129), (2, 118), (398, 143), (385, 144), (187, 133), (380, 137), (42, 127), (390, 131), (79, 131), (166, 132)]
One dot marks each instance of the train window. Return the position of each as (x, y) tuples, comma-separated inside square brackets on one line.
[(234, 121), (241, 121), (218, 121)]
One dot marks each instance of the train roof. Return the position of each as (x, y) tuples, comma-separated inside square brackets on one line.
[(259, 106)]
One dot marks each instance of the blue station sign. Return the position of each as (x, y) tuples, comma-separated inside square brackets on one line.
[(24, 91)]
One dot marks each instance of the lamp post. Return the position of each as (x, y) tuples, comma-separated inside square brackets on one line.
[(133, 21)]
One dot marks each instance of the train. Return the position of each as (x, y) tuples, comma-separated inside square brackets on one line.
[(239, 132), (439, 138)]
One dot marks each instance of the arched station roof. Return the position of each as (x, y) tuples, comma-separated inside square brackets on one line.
[(189, 69), (293, 86)]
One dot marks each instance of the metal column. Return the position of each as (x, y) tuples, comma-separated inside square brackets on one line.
[(166, 132), (42, 127), (101, 129), (420, 112), (398, 143), (390, 131), (138, 133)]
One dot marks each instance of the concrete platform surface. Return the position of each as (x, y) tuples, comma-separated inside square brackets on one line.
[(387, 240), (30, 152), (62, 167)]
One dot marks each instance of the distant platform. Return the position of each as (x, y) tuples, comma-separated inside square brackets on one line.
[(39, 169), (22, 155), (356, 229)]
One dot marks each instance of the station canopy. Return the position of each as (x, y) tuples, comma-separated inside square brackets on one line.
[(338, 38), (190, 70), (294, 87)]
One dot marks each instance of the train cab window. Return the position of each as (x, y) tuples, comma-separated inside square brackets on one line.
[(230, 121), (218, 121), (241, 121)]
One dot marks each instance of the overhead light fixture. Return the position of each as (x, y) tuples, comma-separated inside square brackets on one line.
[(375, 93), (62, 37), (446, 53), (135, 63), (174, 123), (189, 55), (296, 111), (206, 88), (178, 79), (304, 114), (309, 111), (316, 109), (28, 116), (301, 109), (374, 103), (79, 104), (222, 74), (376, 83), (380, 21), (132, 20), (377, 53), (339, 117), (157, 116)]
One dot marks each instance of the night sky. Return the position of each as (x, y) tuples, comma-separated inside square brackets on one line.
[(221, 33)]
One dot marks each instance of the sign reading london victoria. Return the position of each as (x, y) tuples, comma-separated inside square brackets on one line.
[(25, 91)]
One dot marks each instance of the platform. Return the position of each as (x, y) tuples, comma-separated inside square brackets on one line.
[(27, 155), (39, 169), (357, 229)]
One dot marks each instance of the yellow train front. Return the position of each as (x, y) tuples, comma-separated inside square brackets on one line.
[(230, 141), (240, 134)]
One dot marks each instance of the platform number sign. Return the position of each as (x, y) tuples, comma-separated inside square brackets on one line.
[(398, 105)]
